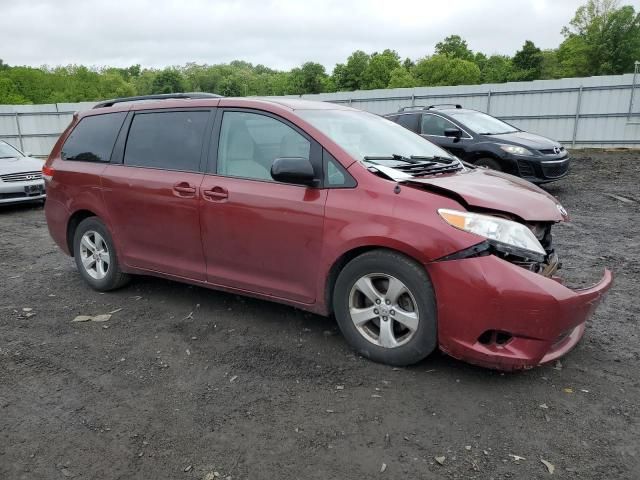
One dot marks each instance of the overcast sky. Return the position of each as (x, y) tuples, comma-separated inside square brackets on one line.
[(277, 33)]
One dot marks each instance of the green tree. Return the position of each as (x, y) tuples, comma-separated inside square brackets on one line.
[(9, 94), (348, 76), (443, 70), (527, 62), (454, 46), (378, 71), (408, 64), (313, 77), (550, 64), (401, 78), (601, 39), (169, 80), (496, 69)]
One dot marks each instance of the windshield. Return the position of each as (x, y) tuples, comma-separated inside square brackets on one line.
[(364, 134), (482, 123), (7, 151)]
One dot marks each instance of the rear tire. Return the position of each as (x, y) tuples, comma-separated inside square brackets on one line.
[(489, 163), (385, 307), (95, 256)]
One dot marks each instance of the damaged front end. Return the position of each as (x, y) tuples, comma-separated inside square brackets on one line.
[(546, 264), (501, 306)]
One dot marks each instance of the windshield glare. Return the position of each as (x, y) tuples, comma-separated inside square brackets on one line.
[(7, 150), (364, 134), (482, 123)]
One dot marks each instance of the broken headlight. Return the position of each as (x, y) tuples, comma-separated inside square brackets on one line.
[(505, 235)]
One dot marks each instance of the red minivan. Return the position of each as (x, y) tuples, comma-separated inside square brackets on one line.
[(322, 207)]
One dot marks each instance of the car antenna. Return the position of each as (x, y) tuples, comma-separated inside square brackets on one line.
[(396, 189)]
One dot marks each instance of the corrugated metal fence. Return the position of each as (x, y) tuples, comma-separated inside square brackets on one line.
[(579, 112)]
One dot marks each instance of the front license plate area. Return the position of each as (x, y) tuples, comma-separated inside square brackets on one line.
[(33, 190)]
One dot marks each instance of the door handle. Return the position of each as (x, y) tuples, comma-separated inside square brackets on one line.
[(184, 189), (216, 194)]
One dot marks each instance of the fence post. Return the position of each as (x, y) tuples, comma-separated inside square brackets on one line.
[(489, 101), (633, 89), (575, 122), (19, 131)]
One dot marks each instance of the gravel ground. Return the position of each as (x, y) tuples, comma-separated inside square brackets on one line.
[(182, 381)]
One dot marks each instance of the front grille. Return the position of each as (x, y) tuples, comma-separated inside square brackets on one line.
[(21, 177), (526, 169), (554, 170), (552, 151)]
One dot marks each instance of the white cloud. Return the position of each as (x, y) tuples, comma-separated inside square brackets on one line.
[(277, 33)]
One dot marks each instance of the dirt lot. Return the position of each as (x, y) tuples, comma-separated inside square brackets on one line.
[(183, 381)]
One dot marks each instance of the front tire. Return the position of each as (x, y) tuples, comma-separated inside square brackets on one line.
[(95, 256), (385, 307)]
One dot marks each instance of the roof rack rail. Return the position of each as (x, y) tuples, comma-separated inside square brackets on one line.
[(161, 96), (413, 107), (429, 107), (457, 105)]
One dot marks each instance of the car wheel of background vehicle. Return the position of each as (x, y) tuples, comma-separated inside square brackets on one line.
[(489, 163), (385, 307), (96, 257)]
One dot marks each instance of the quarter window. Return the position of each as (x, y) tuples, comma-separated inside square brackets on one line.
[(167, 140), (93, 138), (435, 125), (250, 142)]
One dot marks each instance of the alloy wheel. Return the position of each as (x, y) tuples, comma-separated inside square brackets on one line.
[(94, 254), (383, 310)]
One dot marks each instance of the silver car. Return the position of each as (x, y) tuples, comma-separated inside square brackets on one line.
[(20, 176)]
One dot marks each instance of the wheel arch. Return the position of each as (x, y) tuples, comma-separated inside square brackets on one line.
[(74, 220), (340, 262), (478, 154)]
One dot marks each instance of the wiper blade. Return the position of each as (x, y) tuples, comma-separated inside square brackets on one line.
[(393, 156), (433, 158), (499, 133)]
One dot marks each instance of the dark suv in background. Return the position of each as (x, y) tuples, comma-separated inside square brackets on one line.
[(484, 140)]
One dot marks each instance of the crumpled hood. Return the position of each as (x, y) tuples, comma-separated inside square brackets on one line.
[(20, 165), (526, 139), (488, 189)]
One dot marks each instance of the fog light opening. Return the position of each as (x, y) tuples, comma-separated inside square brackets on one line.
[(495, 337)]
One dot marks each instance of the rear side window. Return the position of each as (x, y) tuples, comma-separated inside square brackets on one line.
[(409, 121), (167, 140), (93, 138)]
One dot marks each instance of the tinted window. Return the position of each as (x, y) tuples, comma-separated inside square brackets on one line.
[(409, 121), (93, 138), (169, 140), (435, 125), (250, 142)]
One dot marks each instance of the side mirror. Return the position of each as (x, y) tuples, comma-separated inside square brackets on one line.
[(296, 170), (454, 133)]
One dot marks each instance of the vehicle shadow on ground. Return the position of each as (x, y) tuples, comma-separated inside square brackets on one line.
[(261, 317), (555, 189), (21, 207)]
